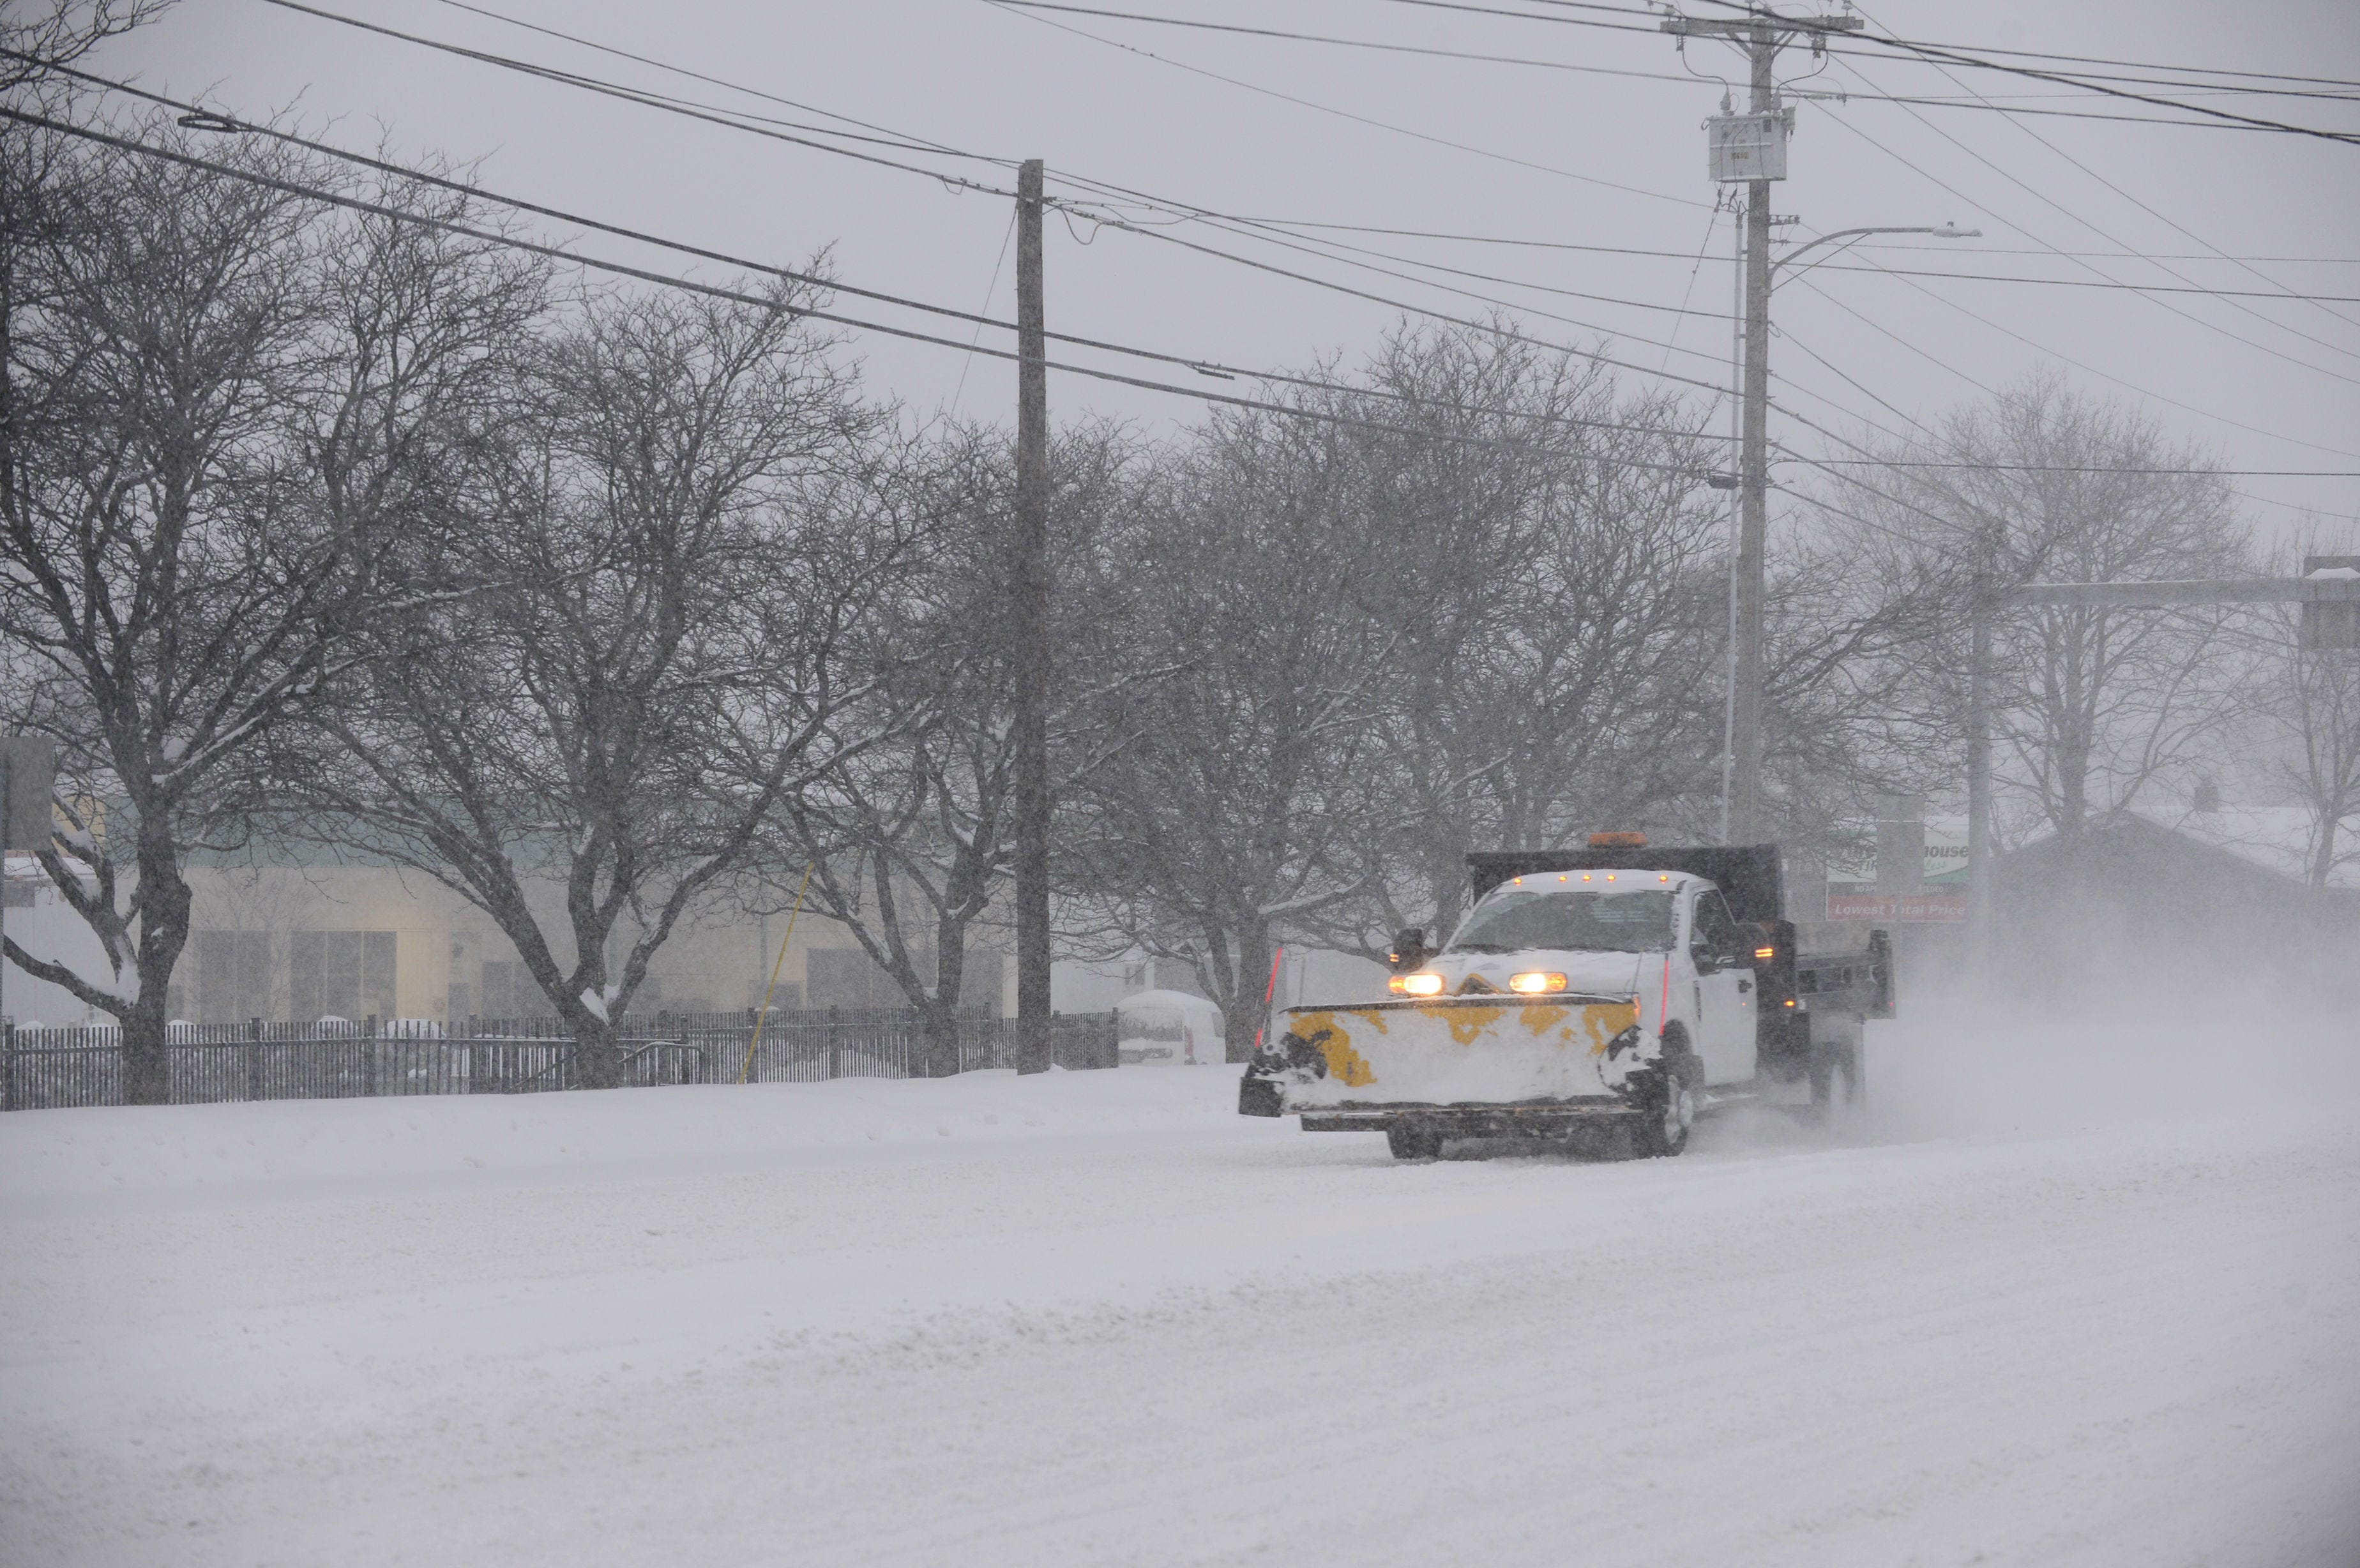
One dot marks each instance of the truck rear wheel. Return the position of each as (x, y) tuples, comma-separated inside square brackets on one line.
[(1414, 1143), (1831, 1059), (1668, 1104)]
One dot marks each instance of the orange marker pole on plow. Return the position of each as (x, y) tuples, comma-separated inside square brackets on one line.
[(1268, 992)]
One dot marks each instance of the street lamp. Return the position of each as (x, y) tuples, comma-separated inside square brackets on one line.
[(1853, 237), (1741, 790)]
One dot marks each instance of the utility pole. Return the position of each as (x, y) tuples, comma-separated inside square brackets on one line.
[(1030, 626), (1752, 473), (1751, 148), (1736, 520), (1979, 759)]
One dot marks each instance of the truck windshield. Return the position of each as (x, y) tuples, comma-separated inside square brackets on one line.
[(1583, 920)]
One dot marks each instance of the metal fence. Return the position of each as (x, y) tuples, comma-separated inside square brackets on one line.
[(47, 1068)]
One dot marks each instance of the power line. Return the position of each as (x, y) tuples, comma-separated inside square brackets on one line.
[(1222, 222), (572, 79), (1381, 48), (2158, 303), (2213, 118), (668, 280), (1889, 271), (2189, 408), (1869, 457), (2137, 65), (1208, 217), (731, 120), (1462, 5), (1931, 51), (1314, 105), (2091, 369), (1427, 312), (1826, 266), (595, 84), (1979, 49), (903, 139), (700, 76), (2104, 283), (2144, 207), (2094, 468)]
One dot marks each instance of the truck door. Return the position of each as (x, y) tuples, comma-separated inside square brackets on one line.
[(1725, 992)]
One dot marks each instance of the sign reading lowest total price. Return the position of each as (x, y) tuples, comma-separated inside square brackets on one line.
[(1852, 879)]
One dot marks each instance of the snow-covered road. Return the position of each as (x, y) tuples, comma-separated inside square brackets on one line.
[(1099, 1319)]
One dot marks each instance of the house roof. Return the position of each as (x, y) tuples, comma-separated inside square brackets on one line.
[(2256, 851)]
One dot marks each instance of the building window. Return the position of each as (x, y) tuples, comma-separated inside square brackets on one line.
[(341, 974), (847, 977), (232, 976), (509, 993)]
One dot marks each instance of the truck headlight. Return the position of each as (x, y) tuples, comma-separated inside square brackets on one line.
[(1416, 984), (1535, 981)]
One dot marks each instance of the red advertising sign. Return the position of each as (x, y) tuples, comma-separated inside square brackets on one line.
[(1935, 904)]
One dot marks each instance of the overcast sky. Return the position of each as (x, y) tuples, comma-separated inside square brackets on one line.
[(1535, 145)]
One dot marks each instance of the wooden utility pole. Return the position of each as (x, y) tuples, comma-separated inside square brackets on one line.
[(1752, 149), (1979, 759), (1030, 623), (1752, 475)]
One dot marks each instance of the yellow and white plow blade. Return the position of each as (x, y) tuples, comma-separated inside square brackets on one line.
[(1458, 1051)]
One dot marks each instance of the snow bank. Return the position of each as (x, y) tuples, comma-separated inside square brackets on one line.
[(617, 1134), (1099, 1318)]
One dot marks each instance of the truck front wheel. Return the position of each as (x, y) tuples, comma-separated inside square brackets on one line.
[(1669, 1105)]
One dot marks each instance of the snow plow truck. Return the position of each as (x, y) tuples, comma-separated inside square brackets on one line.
[(1616, 983)]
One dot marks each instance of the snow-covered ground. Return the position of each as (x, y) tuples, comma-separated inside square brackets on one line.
[(1099, 1319)]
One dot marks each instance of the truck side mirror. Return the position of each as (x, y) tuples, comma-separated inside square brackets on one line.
[(1409, 949)]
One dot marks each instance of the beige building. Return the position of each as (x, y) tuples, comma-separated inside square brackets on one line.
[(354, 940)]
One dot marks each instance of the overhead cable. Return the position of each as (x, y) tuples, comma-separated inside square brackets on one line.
[(2160, 303), (1329, 109), (2207, 115), (2151, 211), (534, 247)]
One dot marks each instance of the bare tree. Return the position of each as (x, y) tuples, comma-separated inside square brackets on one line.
[(632, 652), (908, 841), (2095, 704), (1546, 589), (221, 400), (38, 36), (2310, 712), (1228, 807)]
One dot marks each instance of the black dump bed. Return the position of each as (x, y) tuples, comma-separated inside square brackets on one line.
[(1747, 875)]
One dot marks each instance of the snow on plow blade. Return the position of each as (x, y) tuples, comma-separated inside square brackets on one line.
[(1489, 1051)]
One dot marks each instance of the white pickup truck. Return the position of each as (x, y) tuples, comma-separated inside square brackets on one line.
[(1617, 982)]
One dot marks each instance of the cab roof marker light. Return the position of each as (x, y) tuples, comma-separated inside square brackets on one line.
[(1420, 985)]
